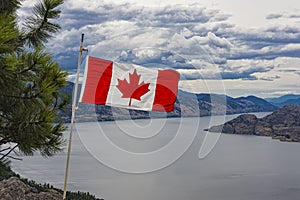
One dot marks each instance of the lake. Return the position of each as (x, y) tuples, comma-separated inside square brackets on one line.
[(148, 162)]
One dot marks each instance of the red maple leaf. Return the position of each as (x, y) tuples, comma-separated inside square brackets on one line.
[(133, 89)]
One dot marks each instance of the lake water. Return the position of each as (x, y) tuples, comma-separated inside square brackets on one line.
[(237, 168)]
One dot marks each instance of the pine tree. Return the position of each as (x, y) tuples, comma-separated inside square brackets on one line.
[(30, 81)]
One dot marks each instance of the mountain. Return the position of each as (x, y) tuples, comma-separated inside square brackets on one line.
[(250, 104), (187, 105), (295, 102), (289, 99), (283, 124), (282, 98)]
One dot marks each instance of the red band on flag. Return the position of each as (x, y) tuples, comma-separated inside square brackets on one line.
[(166, 90), (97, 81)]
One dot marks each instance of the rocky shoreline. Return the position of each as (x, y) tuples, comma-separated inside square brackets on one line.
[(283, 124), (14, 187)]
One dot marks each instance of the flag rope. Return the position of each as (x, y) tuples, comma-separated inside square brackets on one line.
[(81, 49)]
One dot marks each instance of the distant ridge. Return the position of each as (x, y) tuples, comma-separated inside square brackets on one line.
[(289, 99), (295, 102), (283, 124), (187, 105)]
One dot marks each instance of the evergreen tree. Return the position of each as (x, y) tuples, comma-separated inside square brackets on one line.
[(30, 81)]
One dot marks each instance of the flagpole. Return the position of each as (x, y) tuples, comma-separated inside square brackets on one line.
[(81, 49)]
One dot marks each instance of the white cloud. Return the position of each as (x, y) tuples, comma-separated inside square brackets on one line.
[(197, 41), (291, 47)]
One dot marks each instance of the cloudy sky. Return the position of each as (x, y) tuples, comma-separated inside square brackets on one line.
[(220, 46)]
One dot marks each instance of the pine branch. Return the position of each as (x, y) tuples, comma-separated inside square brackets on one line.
[(5, 149), (6, 154), (28, 68), (9, 6), (39, 28), (24, 97), (30, 101), (12, 157)]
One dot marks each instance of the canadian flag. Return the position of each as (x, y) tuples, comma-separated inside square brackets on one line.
[(128, 86)]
